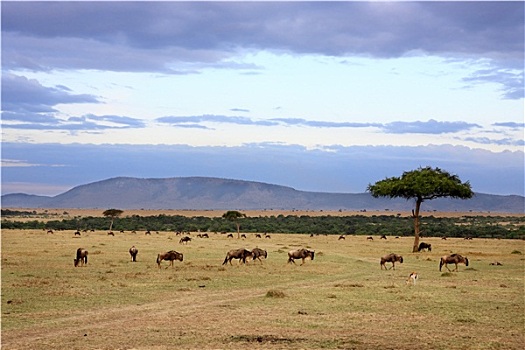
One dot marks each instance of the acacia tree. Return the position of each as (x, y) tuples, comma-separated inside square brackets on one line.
[(421, 185), (112, 213), (233, 215)]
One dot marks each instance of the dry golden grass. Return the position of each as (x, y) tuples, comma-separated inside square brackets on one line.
[(341, 300)]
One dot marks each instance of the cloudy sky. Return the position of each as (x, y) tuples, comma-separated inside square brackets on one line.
[(314, 95)]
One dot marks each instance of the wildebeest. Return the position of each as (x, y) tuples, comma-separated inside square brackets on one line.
[(110, 233), (147, 232), (203, 235), (240, 254), (243, 236), (383, 236), (424, 245), (185, 239), (341, 237), (302, 253), (82, 257), (370, 238), (257, 235), (77, 233), (257, 253), (229, 235), (391, 258), (133, 252), (170, 256), (452, 259)]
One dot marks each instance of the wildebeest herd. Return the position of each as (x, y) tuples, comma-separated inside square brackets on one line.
[(242, 254)]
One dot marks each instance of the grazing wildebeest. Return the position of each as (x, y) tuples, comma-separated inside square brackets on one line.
[(257, 253), (341, 237), (469, 238), (77, 233), (185, 239), (82, 257), (110, 233), (453, 259), (240, 254), (302, 253), (370, 238), (133, 252), (229, 235), (267, 236), (383, 236), (50, 231), (257, 235), (170, 256), (424, 245), (243, 236), (444, 238), (205, 235), (147, 233), (391, 258)]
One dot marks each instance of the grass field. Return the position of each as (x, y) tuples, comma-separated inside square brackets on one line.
[(340, 300)]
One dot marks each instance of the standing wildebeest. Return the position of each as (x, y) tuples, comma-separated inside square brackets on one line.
[(383, 236), (133, 252), (341, 237), (185, 239), (452, 259), (82, 256), (169, 256), (302, 253), (391, 258), (424, 245), (258, 252), (240, 254), (77, 233)]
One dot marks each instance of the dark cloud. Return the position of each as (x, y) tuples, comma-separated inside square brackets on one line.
[(512, 125), (428, 127), (161, 36), (344, 169), (492, 141), (22, 95)]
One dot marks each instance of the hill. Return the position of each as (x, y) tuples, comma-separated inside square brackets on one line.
[(205, 193)]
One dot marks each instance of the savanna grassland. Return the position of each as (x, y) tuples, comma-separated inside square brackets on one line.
[(340, 300)]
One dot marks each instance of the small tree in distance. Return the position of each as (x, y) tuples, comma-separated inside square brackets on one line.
[(421, 185), (233, 215), (112, 213)]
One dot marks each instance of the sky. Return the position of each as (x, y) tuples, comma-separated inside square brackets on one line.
[(318, 96)]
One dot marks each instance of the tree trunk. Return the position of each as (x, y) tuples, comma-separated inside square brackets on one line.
[(111, 225), (238, 230), (415, 215)]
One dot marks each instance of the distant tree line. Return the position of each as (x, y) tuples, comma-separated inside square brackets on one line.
[(389, 225)]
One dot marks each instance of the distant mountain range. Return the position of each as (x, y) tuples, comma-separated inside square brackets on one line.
[(205, 193)]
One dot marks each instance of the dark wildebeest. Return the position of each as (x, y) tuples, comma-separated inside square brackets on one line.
[(257, 253), (185, 239), (302, 253), (110, 233), (370, 238), (81, 258), (424, 245), (77, 233), (169, 256), (383, 236), (240, 254), (229, 235), (133, 252), (341, 237), (243, 236), (452, 259), (391, 258), (257, 235)]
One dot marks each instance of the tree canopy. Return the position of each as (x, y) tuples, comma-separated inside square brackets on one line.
[(234, 215), (112, 213), (421, 184)]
